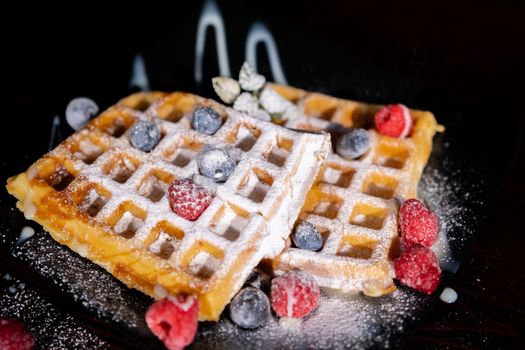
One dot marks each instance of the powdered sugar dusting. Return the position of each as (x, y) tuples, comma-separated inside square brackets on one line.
[(56, 331), (442, 191), (356, 321), (290, 323), (89, 285), (340, 321)]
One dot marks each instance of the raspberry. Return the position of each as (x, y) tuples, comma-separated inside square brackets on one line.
[(294, 294), (418, 225), (417, 268), (394, 121), (188, 199), (13, 336), (174, 320)]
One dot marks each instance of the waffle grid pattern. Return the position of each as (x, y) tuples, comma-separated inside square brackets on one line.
[(354, 203), (122, 190)]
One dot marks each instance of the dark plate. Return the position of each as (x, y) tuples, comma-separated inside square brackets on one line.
[(69, 302)]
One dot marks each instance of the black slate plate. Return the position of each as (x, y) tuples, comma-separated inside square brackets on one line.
[(45, 284)]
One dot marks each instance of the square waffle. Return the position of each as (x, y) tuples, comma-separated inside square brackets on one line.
[(107, 200), (354, 203)]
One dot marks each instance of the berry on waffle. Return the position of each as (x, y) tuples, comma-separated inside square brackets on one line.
[(105, 195), (354, 202)]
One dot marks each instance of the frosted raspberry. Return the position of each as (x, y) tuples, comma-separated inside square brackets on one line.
[(294, 294), (174, 320), (418, 225), (188, 199), (394, 121), (417, 268), (13, 336)]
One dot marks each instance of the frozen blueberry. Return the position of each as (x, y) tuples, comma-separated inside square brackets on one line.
[(144, 135), (215, 163), (353, 144), (250, 308), (306, 236), (206, 120)]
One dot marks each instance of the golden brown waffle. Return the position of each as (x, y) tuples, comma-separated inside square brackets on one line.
[(107, 201), (354, 203)]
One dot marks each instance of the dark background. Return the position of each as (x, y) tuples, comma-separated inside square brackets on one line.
[(464, 60)]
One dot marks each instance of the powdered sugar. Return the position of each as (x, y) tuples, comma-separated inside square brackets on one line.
[(340, 321), (88, 285), (226, 88), (274, 103), (246, 103), (56, 331), (442, 191), (249, 79)]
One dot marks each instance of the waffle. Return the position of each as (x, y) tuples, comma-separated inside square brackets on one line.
[(107, 201), (354, 203)]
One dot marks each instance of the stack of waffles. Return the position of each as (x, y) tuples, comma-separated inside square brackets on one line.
[(108, 201)]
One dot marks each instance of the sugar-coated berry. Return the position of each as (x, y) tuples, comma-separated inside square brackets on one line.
[(294, 294), (353, 144), (306, 236), (187, 199), (13, 335), (417, 224), (418, 268), (393, 121), (215, 164), (250, 308), (144, 135), (206, 120), (174, 320), (79, 110)]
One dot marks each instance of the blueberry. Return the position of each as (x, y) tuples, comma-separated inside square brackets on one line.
[(144, 135), (215, 163), (250, 308), (353, 144), (306, 236), (206, 120)]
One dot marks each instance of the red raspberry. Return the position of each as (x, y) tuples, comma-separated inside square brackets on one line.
[(418, 225), (174, 320), (394, 121), (188, 199), (13, 336), (417, 268), (294, 294)]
